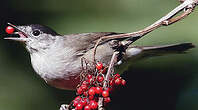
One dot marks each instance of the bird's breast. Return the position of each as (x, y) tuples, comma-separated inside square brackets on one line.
[(56, 70)]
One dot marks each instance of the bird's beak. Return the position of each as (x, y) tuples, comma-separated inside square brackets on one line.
[(23, 36)]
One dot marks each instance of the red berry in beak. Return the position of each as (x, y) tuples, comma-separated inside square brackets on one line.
[(9, 30)]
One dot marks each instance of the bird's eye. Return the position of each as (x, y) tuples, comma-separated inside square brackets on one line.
[(36, 33)]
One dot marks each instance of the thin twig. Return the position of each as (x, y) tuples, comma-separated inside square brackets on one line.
[(95, 48), (190, 4), (175, 19), (166, 20), (109, 71), (113, 60)]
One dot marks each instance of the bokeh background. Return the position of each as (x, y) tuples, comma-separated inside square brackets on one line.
[(160, 83)]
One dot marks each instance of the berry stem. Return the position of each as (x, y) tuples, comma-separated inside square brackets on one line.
[(100, 103), (113, 60), (109, 71)]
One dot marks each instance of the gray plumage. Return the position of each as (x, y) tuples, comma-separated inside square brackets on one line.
[(57, 58)]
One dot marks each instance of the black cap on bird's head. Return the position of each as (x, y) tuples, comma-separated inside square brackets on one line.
[(35, 36), (43, 29)]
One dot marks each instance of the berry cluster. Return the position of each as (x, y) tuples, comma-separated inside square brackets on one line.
[(93, 87)]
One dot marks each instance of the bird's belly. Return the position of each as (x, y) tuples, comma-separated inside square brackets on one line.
[(66, 79), (56, 73), (67, 84)]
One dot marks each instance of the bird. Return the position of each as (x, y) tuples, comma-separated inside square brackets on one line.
[(57, 58)]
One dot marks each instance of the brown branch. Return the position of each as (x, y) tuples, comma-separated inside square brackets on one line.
[(166, 20), (95, 48), (175, 19)]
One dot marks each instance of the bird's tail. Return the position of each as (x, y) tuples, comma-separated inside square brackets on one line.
[(145, 51)]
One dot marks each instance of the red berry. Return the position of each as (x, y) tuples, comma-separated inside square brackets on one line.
[(90, 80), (91, 91), (107, 99), (117, 76), (80, 90), (104, 70), (89, 76), (117, 81), (84, 83), (78, 98), (123, 82), (105, 93), (91, 97), (99, 65), (98, 90), (100, 78), (111, 82), (93, 104), (83, 101), (9, 30), (108, 89), (85, 93), (87, 107), (75, 102), (84, 87), (87, 100), (79, 106)]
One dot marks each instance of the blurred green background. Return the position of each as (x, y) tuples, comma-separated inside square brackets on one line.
[(161, 83)]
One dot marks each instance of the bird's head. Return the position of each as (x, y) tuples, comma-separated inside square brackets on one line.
[(36, 37)]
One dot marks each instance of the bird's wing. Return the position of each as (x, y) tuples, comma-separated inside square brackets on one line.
[(85, 41)]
